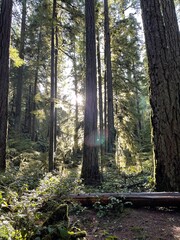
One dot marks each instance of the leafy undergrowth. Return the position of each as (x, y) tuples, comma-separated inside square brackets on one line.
[(30, 198)]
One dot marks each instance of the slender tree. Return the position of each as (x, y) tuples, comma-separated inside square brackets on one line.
[(75, 148), (90, 168), (5, 26), (28, 110), (163, 51), (110, 115), (56, 81), (100, 97), (34, 120), (19, 87), (52, 108)]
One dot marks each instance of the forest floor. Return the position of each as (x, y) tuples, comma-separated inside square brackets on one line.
[(26, 188), (131, 224)]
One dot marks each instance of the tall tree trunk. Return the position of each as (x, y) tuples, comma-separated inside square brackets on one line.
[(20, 71), (74, 61), (105, 114), (137, 101), (5, 26), (27, 119), (111, 129), (34, 120), (163, 51), (100, 97), (90, 168), (75, 148), (56, 82), (52, 108)]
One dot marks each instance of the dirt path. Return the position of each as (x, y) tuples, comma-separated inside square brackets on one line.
[(132, 224)]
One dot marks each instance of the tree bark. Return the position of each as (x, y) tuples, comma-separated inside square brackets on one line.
[(34, 120), (28, 118), (75, 147), (101, 139), (56, 81), (19, 88), (111, 129), (5, 26), (163, 51), (52, 108), (90, 168), (152, 199)]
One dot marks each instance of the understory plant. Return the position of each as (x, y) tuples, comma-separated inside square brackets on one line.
[(115, 206)]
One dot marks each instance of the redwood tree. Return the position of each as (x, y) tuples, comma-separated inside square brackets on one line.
[(90, 168), (52, 107), (5, 26), (163, 51), (110, 107)]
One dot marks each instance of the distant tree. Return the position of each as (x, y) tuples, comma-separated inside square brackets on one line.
[(90, 168), (75, 147), (34, 104), (100, 95), (56, 80), (130, 82), (19, 87), (37, 69), (5, 26), (163, 52)]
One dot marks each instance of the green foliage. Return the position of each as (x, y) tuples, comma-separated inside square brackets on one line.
[(14, 56), (20, 144), (40, 114), (115, 206), (77, 208), (23, 196), (28, 195), (59, 232)]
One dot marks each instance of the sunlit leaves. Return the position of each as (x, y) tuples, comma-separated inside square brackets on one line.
[(14, 56), (40, 114)]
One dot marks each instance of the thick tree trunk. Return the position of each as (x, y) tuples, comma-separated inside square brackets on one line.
[(152, 199), (111, 129), (163, 50), (5, 26), (90, 168), (19, 88)]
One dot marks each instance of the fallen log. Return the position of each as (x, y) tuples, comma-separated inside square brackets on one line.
[(152, 199)]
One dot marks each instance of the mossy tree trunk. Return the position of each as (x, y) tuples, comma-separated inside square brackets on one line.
[(163, 51)]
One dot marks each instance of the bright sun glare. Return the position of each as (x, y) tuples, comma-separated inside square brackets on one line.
[(78, 99)]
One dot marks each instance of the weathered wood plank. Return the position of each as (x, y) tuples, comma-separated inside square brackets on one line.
[(164, 199)]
